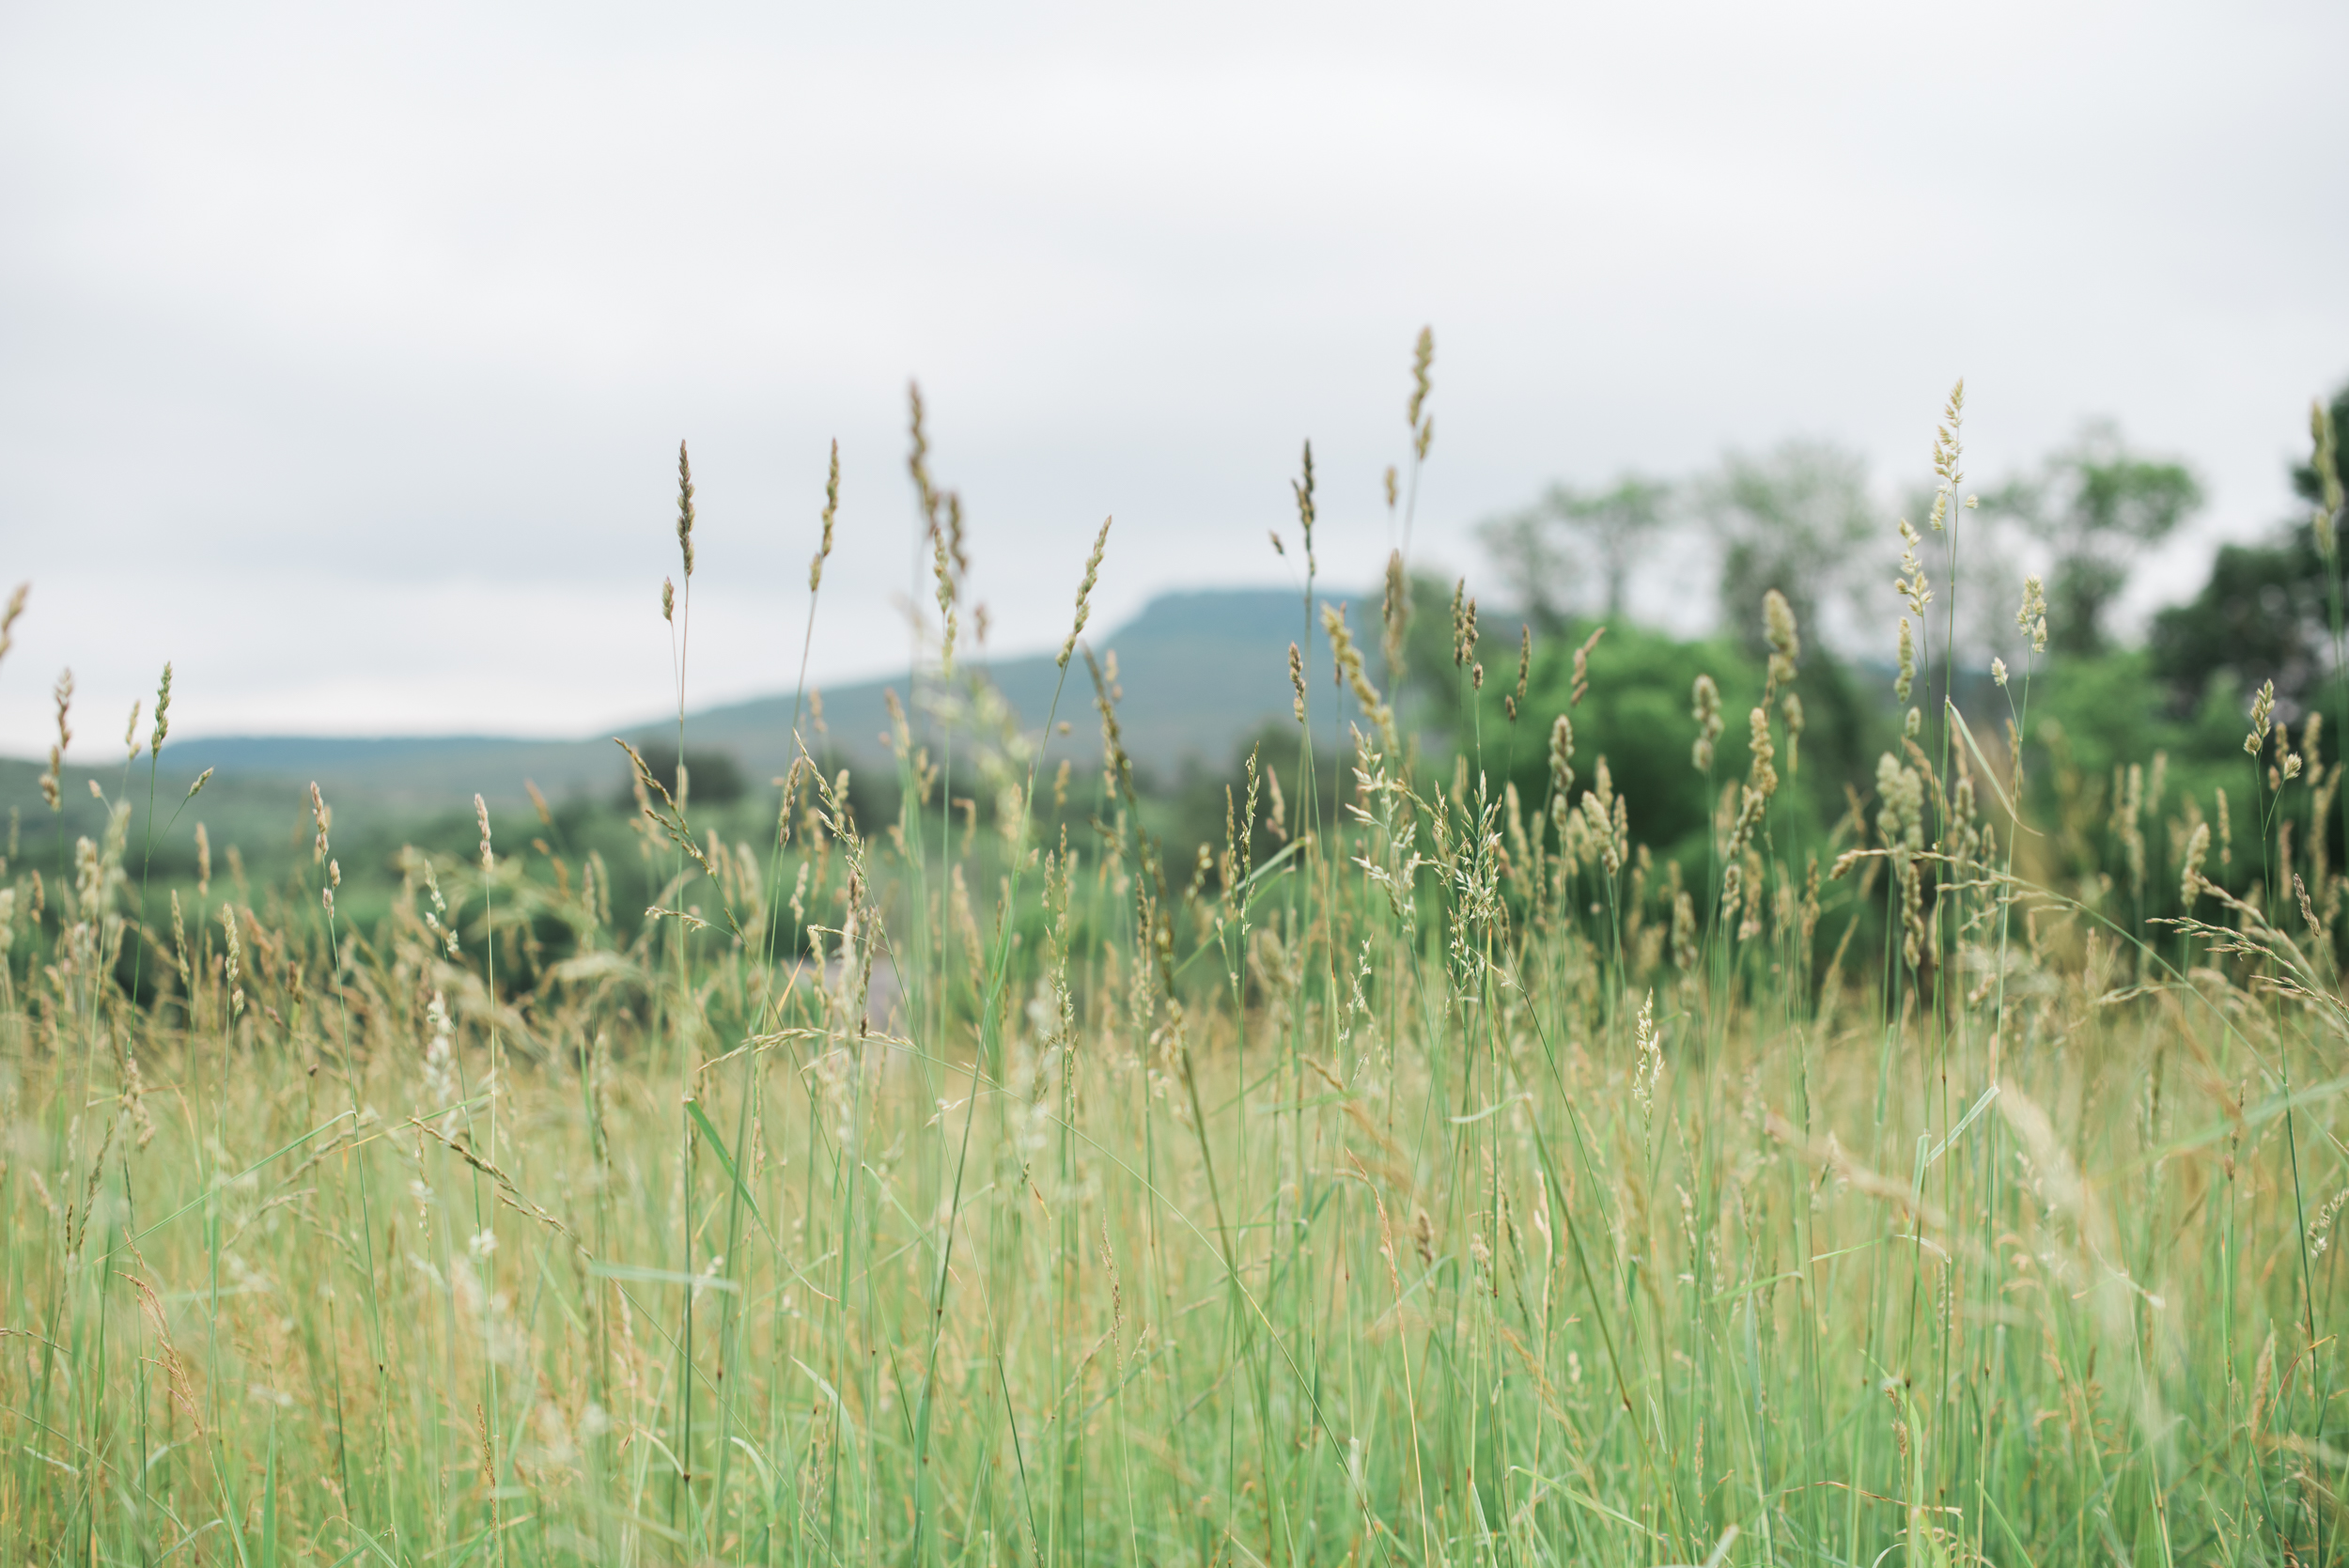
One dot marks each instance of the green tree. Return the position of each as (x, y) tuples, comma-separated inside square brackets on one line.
[(2096, 503), (1532, 549), (2264, 613), (1798, 520), (2260, 617)]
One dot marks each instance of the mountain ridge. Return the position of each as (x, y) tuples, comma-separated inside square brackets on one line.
[(1200, 669)]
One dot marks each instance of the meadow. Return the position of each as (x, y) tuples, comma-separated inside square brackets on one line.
[(1421, 1170)]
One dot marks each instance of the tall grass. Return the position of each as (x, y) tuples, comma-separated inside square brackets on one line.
[(1447, 1182)]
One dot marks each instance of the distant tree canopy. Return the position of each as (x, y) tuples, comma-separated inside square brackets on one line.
[(1535, 545), (2260, 617), (1798, 520), (2095, 504), (714, 778), (2266, 611)]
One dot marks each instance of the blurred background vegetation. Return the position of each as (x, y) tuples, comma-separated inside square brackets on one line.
[(1666, 575)]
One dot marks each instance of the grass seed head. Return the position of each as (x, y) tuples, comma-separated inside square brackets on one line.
[(685, 509), (53, 781), (2326, 460), (1084, 592), (1582, 686), (831, 509), (1303, 488), (16, 607), (163, 711), (1778, 624), (1422, 423), (1704, 706), (1525, 670), (2263, 708), (1396, 611)]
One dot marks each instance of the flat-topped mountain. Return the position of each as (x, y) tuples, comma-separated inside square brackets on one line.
[(1200, 671)]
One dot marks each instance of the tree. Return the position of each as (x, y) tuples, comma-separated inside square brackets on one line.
[(2260, 617), (2264, 613), (1795, 519), (2305, 483), (2095, 504), (1615, 524)]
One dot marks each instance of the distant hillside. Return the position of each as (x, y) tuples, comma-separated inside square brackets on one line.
[(1200, 670)]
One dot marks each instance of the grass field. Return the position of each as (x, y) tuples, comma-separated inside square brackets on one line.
[(1445, 1178)]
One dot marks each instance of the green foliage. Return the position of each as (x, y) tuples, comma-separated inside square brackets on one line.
[(2259, 617), (1420, 1183), (1535, 546), (1636, 714), (2097, 503), (715, 777), (1796, 519)]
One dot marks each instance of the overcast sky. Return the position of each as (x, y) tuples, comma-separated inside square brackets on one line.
[(344, 351)]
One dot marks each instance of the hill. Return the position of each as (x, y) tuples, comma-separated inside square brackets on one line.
[(1199, 670)]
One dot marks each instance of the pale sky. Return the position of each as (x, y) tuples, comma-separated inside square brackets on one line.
[(344, 351)]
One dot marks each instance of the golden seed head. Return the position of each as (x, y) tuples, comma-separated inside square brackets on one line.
[(16, 607), (668, 601), (2032, 619), (1582, 686), (832, 508), (1706, 708), (163, 711), (201, 780), (1084, 592), (1777, 624), (1763, 771), (481, 816), (2322, 438), (323, 817), (1297, 679), (685, 509), (131, 730), (1705, 705), (1908, 677), (1395, 613), (2262, 710), (1304, 490), (1997, 671), (1423, 360)]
